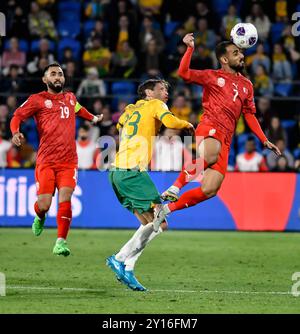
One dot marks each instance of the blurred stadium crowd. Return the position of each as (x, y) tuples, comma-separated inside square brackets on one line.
[(107, 47)]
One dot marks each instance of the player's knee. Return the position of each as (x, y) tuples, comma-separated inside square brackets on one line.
[(212, 159), (210, 190), (164, 225), (44, 205)]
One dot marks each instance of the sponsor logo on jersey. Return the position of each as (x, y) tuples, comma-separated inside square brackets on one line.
[(72, 102), (245, 90), (48, 104), (212, 132), (221, 82)]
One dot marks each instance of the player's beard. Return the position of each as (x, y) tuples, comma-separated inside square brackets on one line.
[(56, 88), (239, 68)]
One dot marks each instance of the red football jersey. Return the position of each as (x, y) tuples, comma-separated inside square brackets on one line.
[(54, 115), (225, 97)]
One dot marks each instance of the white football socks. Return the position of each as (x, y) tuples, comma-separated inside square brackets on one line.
[(131, 260), (166, 209), (138, 241)]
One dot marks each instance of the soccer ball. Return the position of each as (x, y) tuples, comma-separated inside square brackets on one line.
[(244, 35)]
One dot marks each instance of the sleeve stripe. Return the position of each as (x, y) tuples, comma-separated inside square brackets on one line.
[(164, 114)]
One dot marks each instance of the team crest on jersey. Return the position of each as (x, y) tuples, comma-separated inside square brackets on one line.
[(245, 90), (212, 132), (221, 82), (72, 102), (48, 104)]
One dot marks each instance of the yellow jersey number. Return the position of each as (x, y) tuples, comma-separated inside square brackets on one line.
[(132, 124)]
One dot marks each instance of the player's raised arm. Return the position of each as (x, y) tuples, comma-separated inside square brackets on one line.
[(184, 70), (26, 110), (83, 113), (197, 76), (249, 111)]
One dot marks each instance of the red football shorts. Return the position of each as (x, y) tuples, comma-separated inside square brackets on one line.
[(204, 131), (51, 176)]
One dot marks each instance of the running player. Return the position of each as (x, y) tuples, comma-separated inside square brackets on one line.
[(56, 166), (226, 94), (133, 187)]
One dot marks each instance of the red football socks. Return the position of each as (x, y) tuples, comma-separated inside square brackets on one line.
[(190, 172), (187, 199), (40, 213), (63, 219)]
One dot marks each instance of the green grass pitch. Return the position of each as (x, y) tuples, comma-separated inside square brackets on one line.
[(185, 272)]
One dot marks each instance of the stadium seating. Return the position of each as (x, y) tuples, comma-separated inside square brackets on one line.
[(88, 26), (122, 90), (69, 11), (231, 158), (34, 47), (221, 6), (71, 43), (29, 128), (288, 124), (241, 141), (68, 29), (252, 50), (294, 70), (276, 31), (23, 45), (283, 89), (297, 153), (74, 27), (69, 6), (170, 27)]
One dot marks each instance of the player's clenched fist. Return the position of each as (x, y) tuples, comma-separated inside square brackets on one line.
[(97, 119), (16, 139), (188, 39), (190, 128)]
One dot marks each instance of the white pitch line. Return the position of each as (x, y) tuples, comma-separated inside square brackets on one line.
[(12, 287)]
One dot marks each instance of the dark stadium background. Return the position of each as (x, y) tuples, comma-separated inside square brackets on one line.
[(187, 270), (106, 49)]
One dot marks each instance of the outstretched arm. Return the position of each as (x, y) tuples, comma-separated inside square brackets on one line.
[(83, 113), (256, 129), (172, 122)]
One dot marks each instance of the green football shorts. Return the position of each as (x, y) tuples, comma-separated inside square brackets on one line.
[(134, 189)]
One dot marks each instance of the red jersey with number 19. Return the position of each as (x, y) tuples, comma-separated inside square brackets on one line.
[(54, 115)]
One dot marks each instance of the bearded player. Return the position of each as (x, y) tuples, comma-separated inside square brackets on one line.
[(54, 112), (226, 94)]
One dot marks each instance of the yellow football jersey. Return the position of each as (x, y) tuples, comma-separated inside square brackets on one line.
[(140, 124)]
